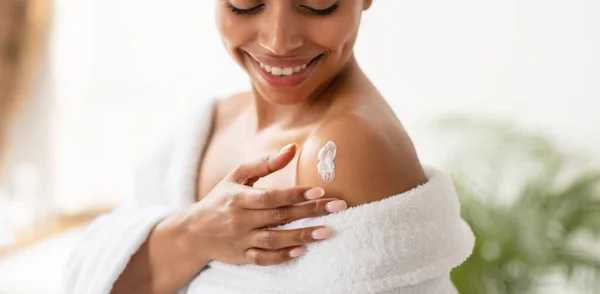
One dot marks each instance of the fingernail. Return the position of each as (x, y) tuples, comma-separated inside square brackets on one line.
[(335, 206), (322, 233), (297, 251), (286, 148), (314, 193)]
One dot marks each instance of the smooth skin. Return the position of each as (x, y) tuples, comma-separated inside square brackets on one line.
[(241, 193)]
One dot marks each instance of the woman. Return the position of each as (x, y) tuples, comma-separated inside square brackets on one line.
[(214, 198)]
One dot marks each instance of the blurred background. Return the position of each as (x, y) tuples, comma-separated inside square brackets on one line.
[(503, 95)]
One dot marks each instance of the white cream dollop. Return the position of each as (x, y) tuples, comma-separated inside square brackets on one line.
[(326, 165)]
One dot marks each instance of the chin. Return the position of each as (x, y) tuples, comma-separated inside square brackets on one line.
[(282, 97)]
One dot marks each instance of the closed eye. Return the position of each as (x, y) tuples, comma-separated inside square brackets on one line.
[(245, 11), (258, 8), (322, 12)]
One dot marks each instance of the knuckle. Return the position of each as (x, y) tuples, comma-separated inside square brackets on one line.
[(315, 209), (267, 240), (298, 196), (304, 236), (264, 197), (235, 200), (282, 215)]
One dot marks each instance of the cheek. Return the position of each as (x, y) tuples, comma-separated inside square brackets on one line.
[(233, 31), (336, 35)]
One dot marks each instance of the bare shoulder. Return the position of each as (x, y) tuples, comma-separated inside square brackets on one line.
[(229, 107), (374, 159)]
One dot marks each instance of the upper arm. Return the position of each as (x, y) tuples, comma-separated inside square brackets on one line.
[(370, 165)]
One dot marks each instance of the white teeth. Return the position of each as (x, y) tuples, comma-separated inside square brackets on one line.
[(288, 71), (277, 71)]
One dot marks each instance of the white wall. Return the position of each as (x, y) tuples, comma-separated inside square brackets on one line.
[(138, 62), (536, 62)]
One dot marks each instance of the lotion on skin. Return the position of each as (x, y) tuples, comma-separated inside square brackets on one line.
[(326, 165)]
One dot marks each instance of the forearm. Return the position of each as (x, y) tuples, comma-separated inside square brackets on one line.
[(165, 263)]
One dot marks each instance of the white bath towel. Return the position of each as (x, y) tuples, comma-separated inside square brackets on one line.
[(407, 243)]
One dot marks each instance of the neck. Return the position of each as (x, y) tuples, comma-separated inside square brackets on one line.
[(311, 109)]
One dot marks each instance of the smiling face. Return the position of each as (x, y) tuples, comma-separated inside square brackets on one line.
[(291, 49)]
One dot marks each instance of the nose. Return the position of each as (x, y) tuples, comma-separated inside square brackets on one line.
[(281, 30)]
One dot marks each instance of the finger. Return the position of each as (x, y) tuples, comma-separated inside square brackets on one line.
[(280, 239), (249, 173), (288, 214), (273, 198), (266, 257)]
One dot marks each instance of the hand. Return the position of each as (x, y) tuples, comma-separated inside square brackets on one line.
[(231, 224)]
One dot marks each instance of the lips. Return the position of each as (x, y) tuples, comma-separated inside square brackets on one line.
[(286, 71), (283, 66), (282, 72)]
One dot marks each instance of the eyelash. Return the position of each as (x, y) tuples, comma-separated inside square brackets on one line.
[(323, 12), (245, 11), (318, 12)]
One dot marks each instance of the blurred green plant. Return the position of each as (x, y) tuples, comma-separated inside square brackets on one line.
[(534, 209)]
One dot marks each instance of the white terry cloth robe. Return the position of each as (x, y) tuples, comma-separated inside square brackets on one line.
[(406, 243)]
